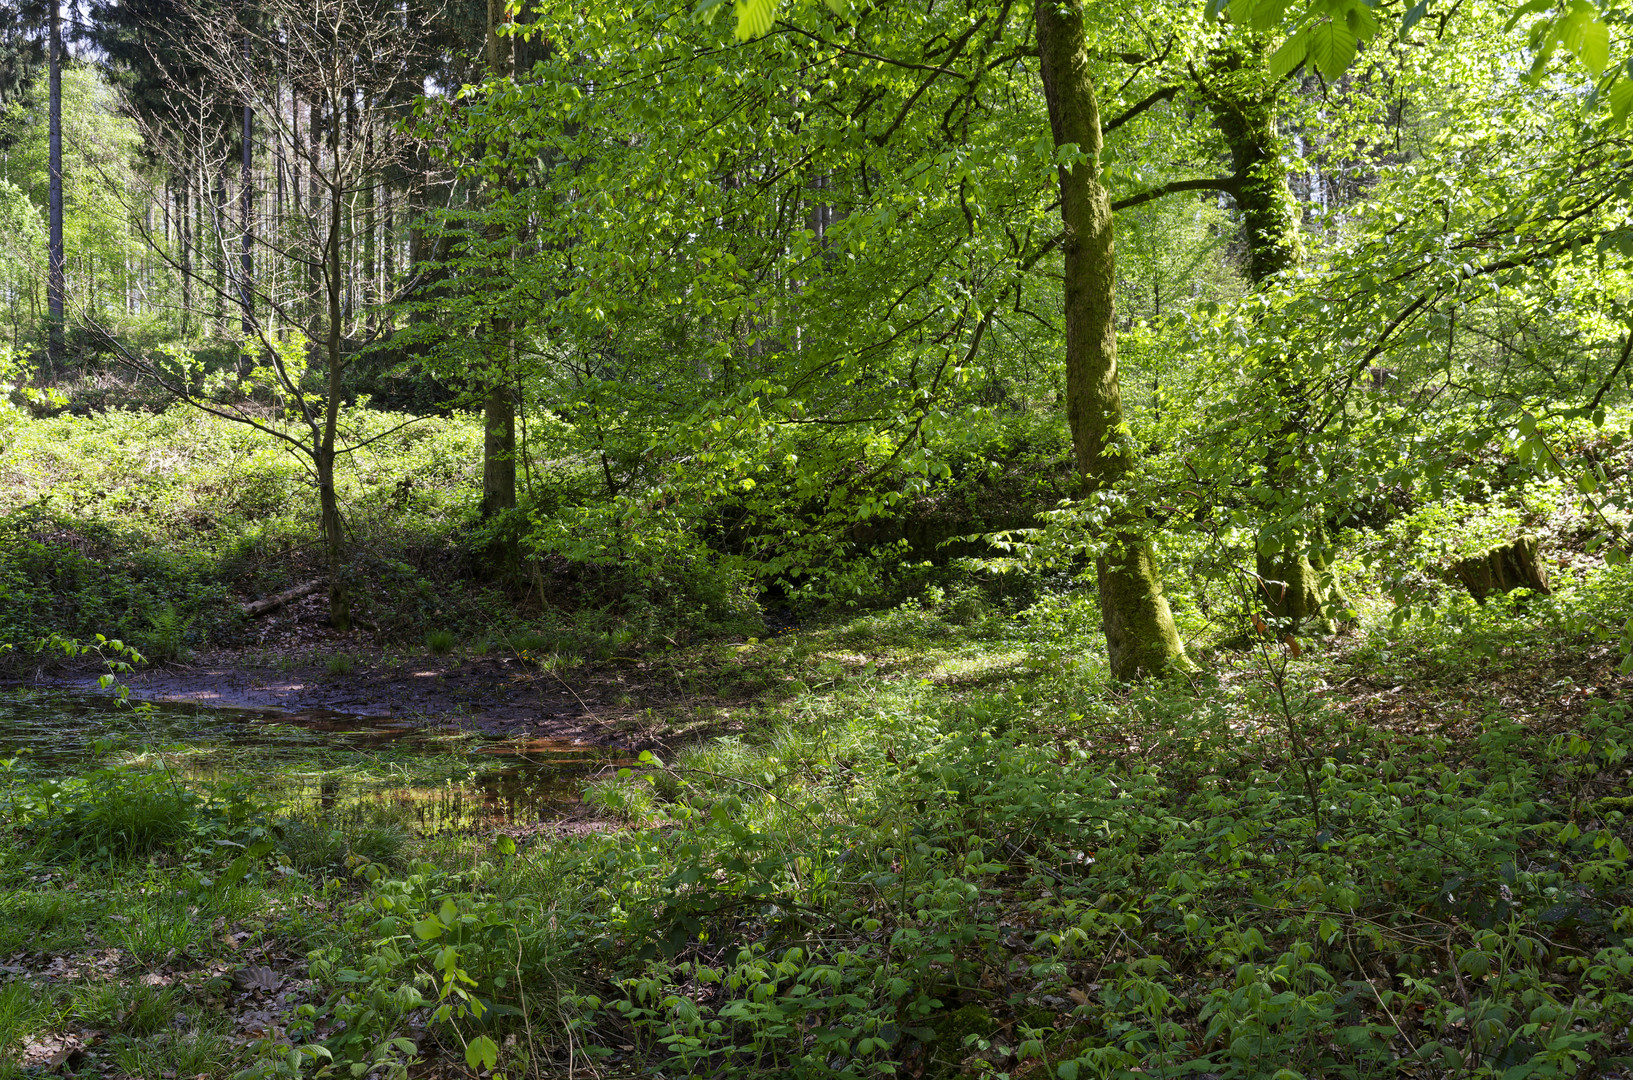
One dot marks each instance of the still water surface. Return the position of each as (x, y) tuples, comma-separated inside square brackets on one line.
[(436, 777)]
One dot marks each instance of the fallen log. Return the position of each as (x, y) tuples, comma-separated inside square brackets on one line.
[(272, 603)]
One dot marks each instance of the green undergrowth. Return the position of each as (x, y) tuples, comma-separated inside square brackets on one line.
[(931, 844), (931, 866)]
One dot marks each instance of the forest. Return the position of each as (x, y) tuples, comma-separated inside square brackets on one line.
[(1007, 538)]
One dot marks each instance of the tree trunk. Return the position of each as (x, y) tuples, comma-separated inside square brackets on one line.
[(1242, 97), (499, 407), (57, 271), (340, 605), (246, 206), (498, 451), (184, 231), (1140, 635), (220, 244)]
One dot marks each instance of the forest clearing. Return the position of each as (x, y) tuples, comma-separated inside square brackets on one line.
[(833, 540)]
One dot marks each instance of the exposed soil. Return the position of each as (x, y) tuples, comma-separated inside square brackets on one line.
[(633, 705), (501, 695)]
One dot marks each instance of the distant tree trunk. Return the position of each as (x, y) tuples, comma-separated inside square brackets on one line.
[(184, 237), (388, 244), (57, 271), (220, 233), (1140, 635), (499, 406), (295, 155), (368, 283), (1242, 97), (334, 529), (314, 272), (246, 209)]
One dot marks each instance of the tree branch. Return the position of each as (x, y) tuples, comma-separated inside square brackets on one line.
[(1627, 350), (1134, 110), (1226, 184)]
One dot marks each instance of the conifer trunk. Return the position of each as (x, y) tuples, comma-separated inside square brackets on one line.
[(1140, 635), (57, 271), (246, 211)]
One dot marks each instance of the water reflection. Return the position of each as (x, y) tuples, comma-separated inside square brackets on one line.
[(316, 762)]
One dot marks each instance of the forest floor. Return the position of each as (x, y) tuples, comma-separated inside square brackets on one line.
[(988, 739)]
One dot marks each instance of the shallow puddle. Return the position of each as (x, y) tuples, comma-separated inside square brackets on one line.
[(319, 762)]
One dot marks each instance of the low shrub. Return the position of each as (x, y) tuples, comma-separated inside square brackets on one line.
[(122, 812), (311, 846)]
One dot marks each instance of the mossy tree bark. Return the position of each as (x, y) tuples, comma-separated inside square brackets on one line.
[(1242, 96), (1140, 635)]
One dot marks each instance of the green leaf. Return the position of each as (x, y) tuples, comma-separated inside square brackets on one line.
[(1594, 48), (707, 10), (1413, 14), (1332, 48), (1529, 8), (1267, 14), (481, 1053), (235, 872), (1361, 22), (428, 929), (1285, 60), (754, 18), (504, 845), (1620, 96)]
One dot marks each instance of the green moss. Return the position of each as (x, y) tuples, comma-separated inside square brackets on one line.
[(952, 1028)]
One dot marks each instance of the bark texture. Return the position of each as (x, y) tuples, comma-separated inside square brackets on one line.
[(1140, 635), (1503, 569)]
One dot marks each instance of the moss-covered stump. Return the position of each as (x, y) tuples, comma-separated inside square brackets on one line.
[(1503, 569)]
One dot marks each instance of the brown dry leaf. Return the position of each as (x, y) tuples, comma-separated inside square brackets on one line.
[(1078, 996)]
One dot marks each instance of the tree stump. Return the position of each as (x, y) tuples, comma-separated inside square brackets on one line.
[(1503, 569)]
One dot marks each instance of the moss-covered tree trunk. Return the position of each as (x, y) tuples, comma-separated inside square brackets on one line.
[(1140, 634), (1242, 96)]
